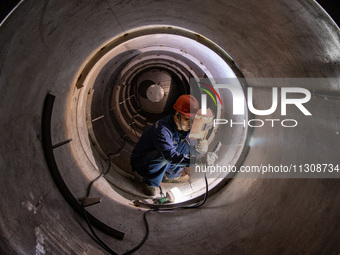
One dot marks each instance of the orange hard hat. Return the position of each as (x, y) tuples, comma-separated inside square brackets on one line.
[(187, 104)]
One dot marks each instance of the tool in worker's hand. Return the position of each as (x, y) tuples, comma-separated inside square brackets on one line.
[(212, 156), (217, 148)]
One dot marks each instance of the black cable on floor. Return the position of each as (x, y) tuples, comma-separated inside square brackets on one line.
[(145, 237), (197, 205), (108, 249), (165, 210), (95, 237), (88, 191)]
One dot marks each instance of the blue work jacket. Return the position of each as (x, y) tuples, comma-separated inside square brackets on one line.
[(164, 138)]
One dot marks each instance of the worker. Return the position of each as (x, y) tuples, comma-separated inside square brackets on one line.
[(164, 149)]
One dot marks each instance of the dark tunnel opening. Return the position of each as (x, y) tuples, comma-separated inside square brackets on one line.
[(120, 109)]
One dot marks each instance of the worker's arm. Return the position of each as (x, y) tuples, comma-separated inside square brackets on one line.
[(163, 141)]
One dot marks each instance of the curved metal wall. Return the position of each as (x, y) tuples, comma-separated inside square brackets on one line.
[(44, 46)]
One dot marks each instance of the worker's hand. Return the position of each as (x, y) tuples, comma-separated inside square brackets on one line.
[(202, 146), (211, 158)]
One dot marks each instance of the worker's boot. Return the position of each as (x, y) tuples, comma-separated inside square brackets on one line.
[(180, 179), (149, 190)]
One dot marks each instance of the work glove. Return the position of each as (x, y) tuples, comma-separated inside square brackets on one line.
[(202, 146), (210, 158)]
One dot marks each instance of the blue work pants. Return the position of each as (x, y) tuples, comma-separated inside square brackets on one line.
[(153, 166)]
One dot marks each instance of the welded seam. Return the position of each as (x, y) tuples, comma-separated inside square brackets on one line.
[(114, 15)]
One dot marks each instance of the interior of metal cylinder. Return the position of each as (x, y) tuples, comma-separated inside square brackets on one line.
[(137, 82)]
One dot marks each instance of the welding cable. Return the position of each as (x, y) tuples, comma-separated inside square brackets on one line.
[(108, 249), (205, 195), (197, 205), (102, 174), (95, 237), (101, 243), (88, 190), (168, 210), (145, 237), (164, 210)]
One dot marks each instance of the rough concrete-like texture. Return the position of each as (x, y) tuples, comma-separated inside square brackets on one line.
[(43, 47)]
